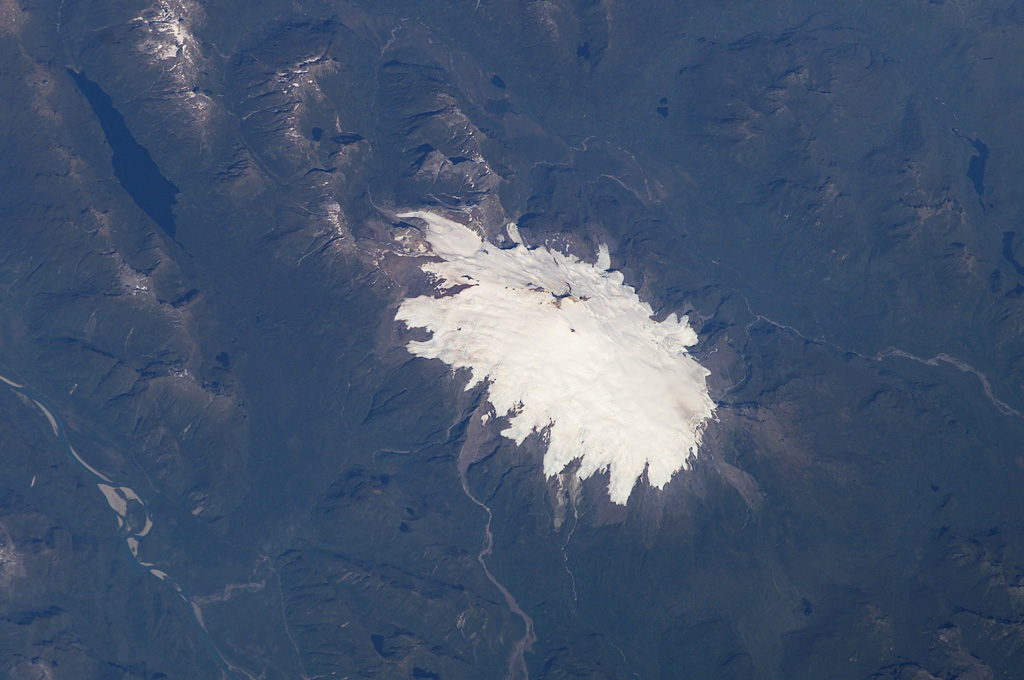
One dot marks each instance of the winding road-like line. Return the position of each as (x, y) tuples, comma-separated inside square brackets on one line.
[(117, 498), (516, 660)]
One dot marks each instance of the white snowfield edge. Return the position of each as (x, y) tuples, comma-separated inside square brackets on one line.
[(566, 347)]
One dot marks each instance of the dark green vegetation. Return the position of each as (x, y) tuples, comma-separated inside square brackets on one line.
[(832, 189)]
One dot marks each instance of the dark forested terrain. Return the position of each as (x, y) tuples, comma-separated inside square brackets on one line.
[(247, 476)]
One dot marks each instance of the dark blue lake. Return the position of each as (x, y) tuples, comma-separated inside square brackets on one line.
[(976, 167), (133, 166)]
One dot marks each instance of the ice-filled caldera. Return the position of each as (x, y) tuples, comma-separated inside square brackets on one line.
[(565, 348)]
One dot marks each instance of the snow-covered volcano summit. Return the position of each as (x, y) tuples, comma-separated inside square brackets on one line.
[(566, 346)]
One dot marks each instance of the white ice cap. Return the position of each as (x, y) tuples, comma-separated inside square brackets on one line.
[(568, 346)]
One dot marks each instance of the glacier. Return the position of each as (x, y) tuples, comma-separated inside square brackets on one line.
[(566, 349)]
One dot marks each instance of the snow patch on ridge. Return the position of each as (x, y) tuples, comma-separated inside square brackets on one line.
[(167, 39), (567, 348)]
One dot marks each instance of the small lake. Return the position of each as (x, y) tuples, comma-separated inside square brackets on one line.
[(976, 168)]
